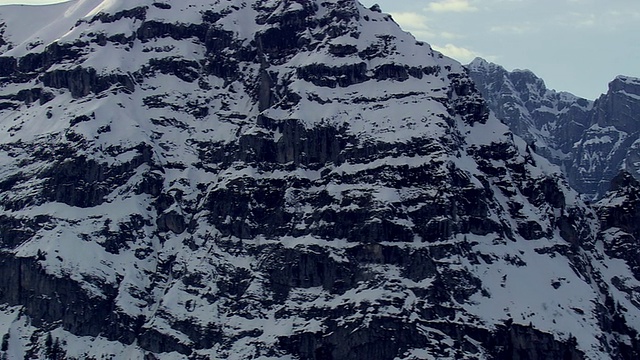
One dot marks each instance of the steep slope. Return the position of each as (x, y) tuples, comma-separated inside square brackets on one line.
[(278, 179)]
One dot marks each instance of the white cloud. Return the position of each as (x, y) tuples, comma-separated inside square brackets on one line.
[(513, 29), (584, 20), (410, 20), (581, 20), (461, 54), (450, 35), (414, 23), (417, 24), (451, 6)]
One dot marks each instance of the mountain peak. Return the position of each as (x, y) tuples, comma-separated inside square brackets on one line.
[(376, 8), (480, 63), (627, 79), (627, 84)]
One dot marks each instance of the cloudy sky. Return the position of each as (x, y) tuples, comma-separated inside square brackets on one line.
[(574, 45)]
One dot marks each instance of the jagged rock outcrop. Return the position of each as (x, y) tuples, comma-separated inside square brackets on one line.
[(279, 179)]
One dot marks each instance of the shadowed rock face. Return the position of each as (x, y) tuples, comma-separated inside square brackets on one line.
[(281, 179)]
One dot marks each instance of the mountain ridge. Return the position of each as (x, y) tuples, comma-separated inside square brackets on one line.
[(592, 141)]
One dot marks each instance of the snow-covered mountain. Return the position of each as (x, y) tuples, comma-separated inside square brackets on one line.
[(280, 179), (592, 141)]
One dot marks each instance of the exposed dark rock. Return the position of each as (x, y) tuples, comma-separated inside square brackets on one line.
[(154, 29), (467, 101), (216, 40), (83, 81), (624, 215), (391, 71), (619, 107), (229, 207), (84, 182), (545, 191), (323, 75), (284, 39), (8, 65), (377, 341), (523, 102), (79, 119), (342, 50), (298, 145), (163, 6), (14, 232), (530, 230), (171, 221), (138, 13), (48, 299), (157, 342), (292, 268), (186, 70), (53, 53)]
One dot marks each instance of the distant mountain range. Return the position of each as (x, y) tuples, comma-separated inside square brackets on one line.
[(591, 141), (300, 179)]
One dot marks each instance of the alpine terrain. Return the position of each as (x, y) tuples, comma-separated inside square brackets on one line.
[(592, 141), (285, 179)]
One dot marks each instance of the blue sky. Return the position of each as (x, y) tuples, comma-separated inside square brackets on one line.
[(574, 45)]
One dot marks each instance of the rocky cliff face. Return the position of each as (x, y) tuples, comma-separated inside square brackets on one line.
[(592, 141), (279, 180)]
